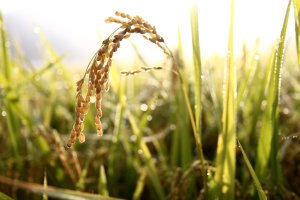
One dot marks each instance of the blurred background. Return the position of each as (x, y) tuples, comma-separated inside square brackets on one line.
[(77, 27)]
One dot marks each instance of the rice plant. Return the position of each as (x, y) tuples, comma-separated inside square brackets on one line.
[(169, 131)]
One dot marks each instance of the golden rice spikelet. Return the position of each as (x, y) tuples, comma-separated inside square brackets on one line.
[(99, 67)]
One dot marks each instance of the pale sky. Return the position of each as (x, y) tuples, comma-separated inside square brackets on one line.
[(77, 24)]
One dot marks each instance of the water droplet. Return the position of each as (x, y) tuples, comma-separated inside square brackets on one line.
[(152, 106), (263, 103), (172, 126), (286, 111), (144, 107), (133, 138), (149, 117), (140, 151), (3, 113), (202, 77), (256, 57), (294, 136)]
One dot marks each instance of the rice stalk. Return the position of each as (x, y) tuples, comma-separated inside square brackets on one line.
[(268, 144), (226, 158), (197, 84)]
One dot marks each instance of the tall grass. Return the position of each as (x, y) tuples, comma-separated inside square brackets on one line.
[(296, 4), (226, 159), (166, 134), (197, 85), (268, 143)]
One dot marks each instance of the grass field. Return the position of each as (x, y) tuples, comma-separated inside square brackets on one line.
[(213, 128)]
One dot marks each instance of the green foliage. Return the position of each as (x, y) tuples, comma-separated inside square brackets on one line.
[(161, 141), (268, 144), (226, 159)]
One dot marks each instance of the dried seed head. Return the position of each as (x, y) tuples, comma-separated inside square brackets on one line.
[(81, 138), (106, 86), (69, 144), (98, 70)]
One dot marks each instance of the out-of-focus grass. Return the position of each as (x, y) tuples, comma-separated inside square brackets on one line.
[(296, 4), (197, 86), (268, 144), (154, 141), (226, 155), (261, 193)]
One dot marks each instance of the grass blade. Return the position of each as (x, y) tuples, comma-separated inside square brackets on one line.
[(268, 144), (4, 57), (5, 197), (197, 84), (197, 64), (152, 174), (102, 183), (9, 100), (297, 26), (51, 191), (225, 162), (261, 194), (140, 185)]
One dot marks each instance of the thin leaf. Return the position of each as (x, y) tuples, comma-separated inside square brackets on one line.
[(51, 191), (102, 183), (5, 197), (260, 191), (197, 84), (297, 26), (268, 144), (140, 185), (225, 162)]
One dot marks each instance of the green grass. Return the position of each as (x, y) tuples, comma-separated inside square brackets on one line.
[(268, 144), (226, 158), (173, 133)]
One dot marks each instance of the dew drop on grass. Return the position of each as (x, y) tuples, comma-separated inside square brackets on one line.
[(140, 151), (133, 138), (144, 107), (208, 173), (286, 111), (283, 138), (172, 126), (3, 113), (152, 106), (149, 117)]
